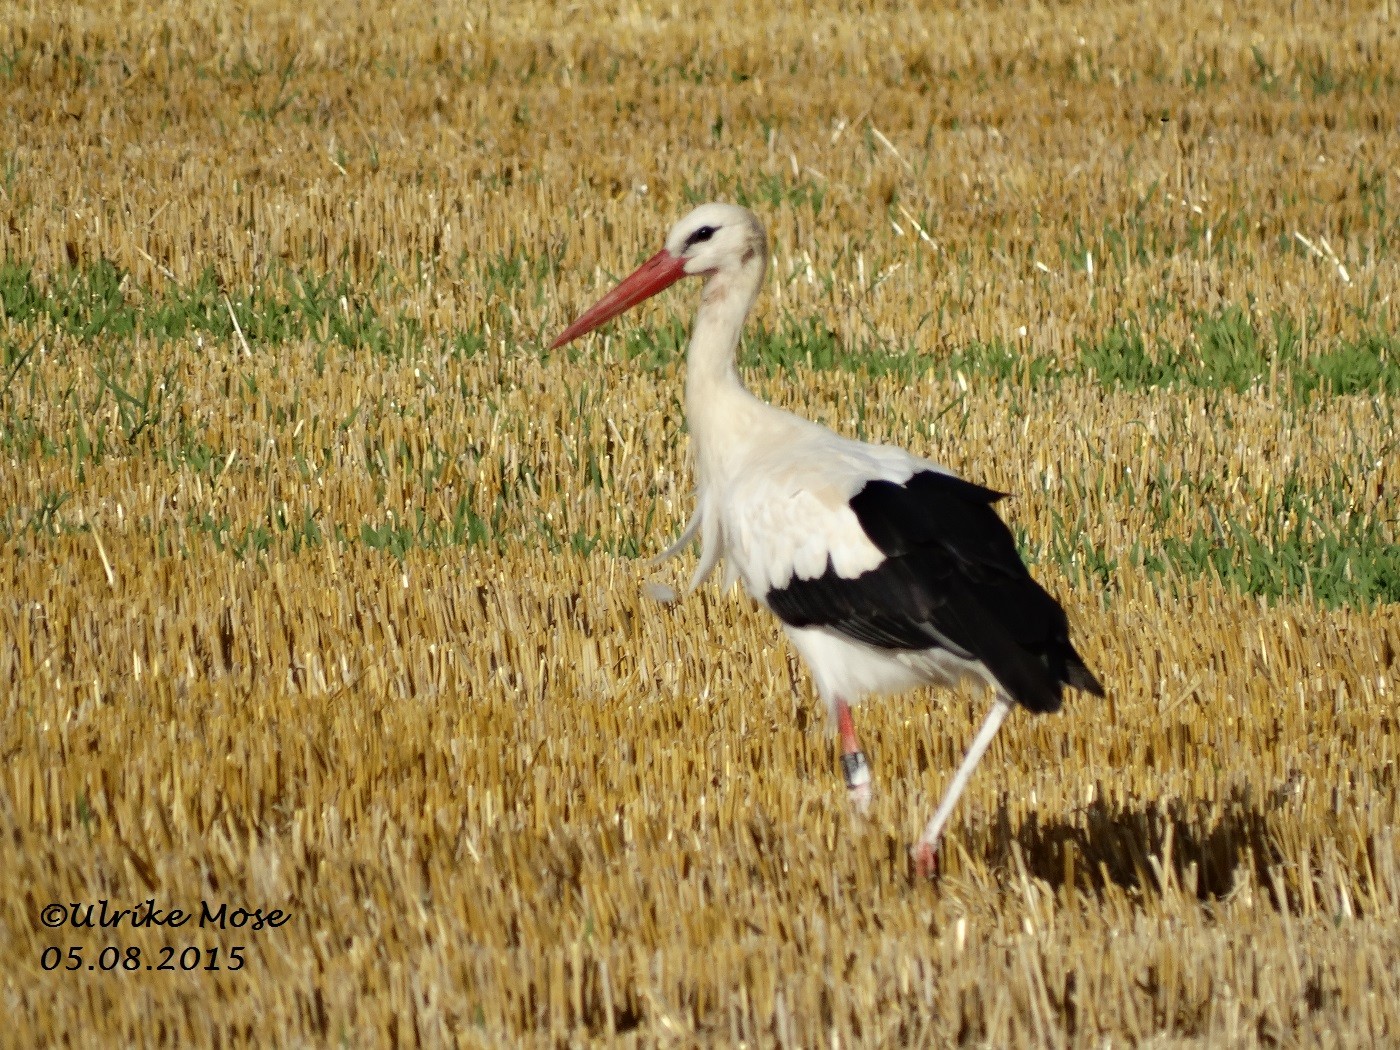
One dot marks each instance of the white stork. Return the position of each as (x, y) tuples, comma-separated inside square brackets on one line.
[(886, 570)]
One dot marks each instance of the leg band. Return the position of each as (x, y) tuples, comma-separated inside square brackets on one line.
[(856, 769)]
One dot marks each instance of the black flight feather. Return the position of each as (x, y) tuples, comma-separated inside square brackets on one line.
[(952, 579)]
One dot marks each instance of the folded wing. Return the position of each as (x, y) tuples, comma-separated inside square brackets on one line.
[(949, 577)]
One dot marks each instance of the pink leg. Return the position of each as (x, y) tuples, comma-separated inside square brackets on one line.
[(925, 860), (926, 849), (853, 764)]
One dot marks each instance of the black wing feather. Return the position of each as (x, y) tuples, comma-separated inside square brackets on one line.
[(953, 579)]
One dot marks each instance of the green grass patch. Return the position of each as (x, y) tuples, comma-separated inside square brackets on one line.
[(397, 535), (1001, 362), (1330, 541), (1327, 542), (98, 300), (1227, 350), (44, 518), (763, 193), (1368, 365)]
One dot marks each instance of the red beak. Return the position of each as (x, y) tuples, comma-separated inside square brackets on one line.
[(659, 272)]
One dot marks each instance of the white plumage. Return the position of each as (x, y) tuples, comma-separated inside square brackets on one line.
[(886, 569)]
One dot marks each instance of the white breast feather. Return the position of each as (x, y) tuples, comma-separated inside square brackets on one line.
[(789, 512), (784, 510), (706, 523)]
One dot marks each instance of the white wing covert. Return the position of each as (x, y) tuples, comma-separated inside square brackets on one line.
[(789, 515)]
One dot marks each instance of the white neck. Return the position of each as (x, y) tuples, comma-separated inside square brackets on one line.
[(717, 406)]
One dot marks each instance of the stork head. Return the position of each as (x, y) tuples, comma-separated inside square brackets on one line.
[(715, 238), (715, 241)]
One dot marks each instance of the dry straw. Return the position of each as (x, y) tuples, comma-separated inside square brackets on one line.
[(326, 598)]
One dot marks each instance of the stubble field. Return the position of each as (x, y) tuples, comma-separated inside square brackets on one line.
[(322, 582)]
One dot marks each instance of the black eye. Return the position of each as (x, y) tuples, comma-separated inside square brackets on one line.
[(704, 233)]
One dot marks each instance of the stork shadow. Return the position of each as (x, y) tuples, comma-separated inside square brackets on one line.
[(1204, 848)]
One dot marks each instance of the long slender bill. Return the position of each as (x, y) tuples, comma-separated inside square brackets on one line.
[(659, 272), (926, 849)]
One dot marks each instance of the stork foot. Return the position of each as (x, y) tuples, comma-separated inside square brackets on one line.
[(925, 856), (857, 772), (925, 851)]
